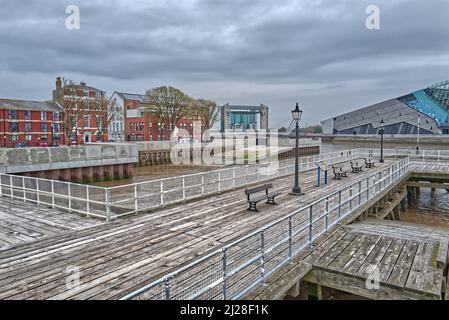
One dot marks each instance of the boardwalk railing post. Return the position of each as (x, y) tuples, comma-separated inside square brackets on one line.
[(225, 273), (161, 191), (168, 289), (219, 181), (1, 185), (87, 200), (136, 205), (183, 188), (339, 204), (106, 201), (327, 213), (70, 196), (202, 185), (262, 256), (23, 188), (52, 193), (360, 193), (311, 225), (290, 236), (350, 198), (38, 196)]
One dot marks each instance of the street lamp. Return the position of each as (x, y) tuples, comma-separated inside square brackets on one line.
[(417, 134), (381, 132), (297, 113)]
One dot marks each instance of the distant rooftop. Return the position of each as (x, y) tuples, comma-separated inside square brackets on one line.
[(13, 104), (132, 96)]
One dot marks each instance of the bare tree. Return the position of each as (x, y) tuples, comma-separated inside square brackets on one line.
[(167, 105), (103, 113), (72, 111), (205, 111)]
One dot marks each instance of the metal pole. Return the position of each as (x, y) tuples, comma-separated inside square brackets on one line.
[(296, 189)]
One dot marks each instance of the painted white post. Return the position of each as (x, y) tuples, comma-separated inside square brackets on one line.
[(161, 191), (70, 197), (87, 200), (202, 185), (52, 193), (183, 188), (135, 198), (23, 188), (38, 196), (108, 209)]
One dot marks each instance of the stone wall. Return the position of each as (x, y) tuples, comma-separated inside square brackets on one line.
[(23, 160)]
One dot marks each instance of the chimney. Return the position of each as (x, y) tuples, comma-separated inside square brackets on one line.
[(58, 83)]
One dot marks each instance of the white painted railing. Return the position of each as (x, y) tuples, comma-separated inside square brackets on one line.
[(234, 270), (143, 196)]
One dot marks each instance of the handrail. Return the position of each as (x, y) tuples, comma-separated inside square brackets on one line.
[(374, 185)]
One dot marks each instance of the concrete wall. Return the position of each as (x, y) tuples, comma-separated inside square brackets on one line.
[(56, 158)]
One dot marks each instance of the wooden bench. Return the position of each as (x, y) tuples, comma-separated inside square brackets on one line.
[(369, 163), (339, 172), (356, 168), (267, 196)]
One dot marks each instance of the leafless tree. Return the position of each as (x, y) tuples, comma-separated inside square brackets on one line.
[(103, 113), (168, 105), (72, 111), (205, 111)]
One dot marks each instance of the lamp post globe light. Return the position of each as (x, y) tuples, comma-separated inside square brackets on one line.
[(297, 114), (381, 132)]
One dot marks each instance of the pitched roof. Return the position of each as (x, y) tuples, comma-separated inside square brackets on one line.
[(13, 104)]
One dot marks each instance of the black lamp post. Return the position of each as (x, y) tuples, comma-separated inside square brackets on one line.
[(381, 132), (297, 113)]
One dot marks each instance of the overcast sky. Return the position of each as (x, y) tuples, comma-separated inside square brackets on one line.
[(238, 51)]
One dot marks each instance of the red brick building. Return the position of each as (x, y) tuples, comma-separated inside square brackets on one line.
[(25, 123), (140, 125), (86, 129)]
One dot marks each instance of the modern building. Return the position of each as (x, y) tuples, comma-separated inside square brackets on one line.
[(238, 118), (426, 110), (25, 123), (87, 129)]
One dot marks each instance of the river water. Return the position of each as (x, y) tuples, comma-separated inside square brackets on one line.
[(432, 207)]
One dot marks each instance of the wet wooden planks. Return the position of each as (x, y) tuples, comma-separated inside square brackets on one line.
[(404, 263), (23, 222), (120, 257)]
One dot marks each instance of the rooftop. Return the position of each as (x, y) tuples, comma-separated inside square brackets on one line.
[(13, 104)]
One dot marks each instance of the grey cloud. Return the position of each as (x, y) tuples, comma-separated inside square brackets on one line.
[(239, 51)]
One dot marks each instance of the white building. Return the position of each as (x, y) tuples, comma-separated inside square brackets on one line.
[(116, 129)]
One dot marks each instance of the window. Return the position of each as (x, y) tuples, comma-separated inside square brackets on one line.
[(27, 126), (56, 116), (56, 128), (86, 121), (44, 137), (27, 115), (44, 127), (43, 116), (12, 114), (13, 127), (13, 138), (28, 137)]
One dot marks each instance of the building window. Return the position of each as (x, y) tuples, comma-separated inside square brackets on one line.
[(27, 115), (27, 126), (44, 137), (56, 128), (43, 127), (13, 138), (12, 114), (56, 116), (13, 127), (86, 121), (28, 137), (98, 136), (43, 116)]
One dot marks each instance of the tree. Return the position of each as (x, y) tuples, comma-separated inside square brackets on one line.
[(168, 105), (205, 111), (282, 130), (72, 110), (103, 113)]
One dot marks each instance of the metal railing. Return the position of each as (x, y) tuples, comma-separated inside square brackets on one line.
[(132, 198), (72, 197), (114, 202), (234, 270)]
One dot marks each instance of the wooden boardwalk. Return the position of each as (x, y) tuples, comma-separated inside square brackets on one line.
[(407, 260), (24, 222), (117, 258)]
